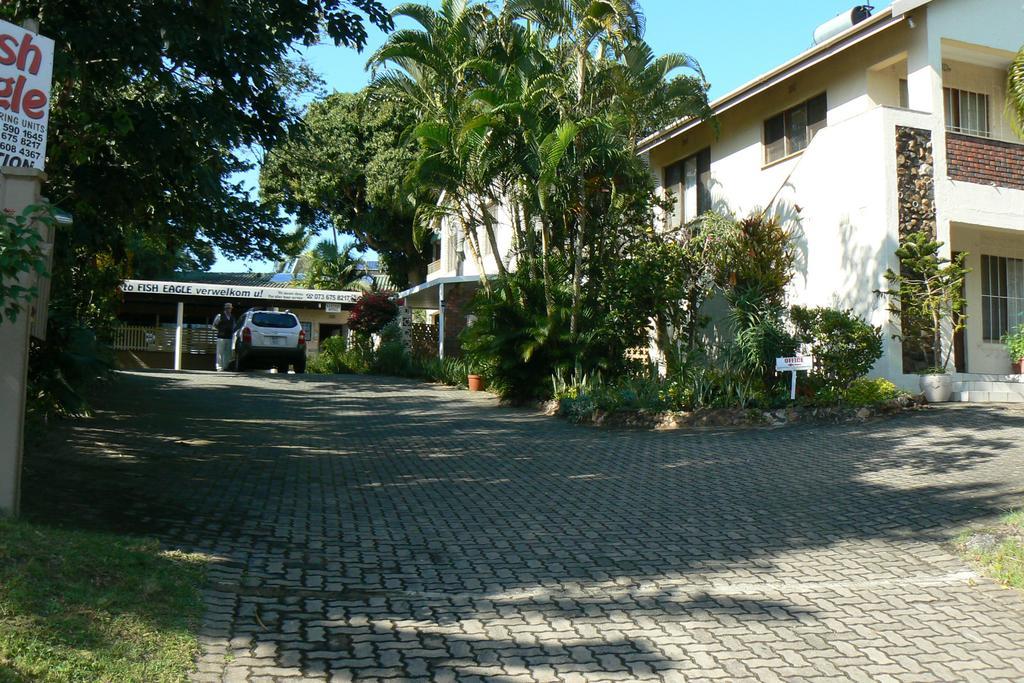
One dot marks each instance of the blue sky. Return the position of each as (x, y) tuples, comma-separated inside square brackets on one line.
[(734, 41)]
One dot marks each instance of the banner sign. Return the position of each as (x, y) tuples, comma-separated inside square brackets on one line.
[(792, 363), (239, 292), (26, 72)]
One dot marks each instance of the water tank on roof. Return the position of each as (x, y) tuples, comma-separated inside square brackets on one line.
[(847, 19)]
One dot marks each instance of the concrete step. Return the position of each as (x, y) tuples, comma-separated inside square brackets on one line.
[(982, 377), (968, 396), (998, 387)]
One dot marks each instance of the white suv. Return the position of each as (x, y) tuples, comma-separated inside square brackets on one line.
[(269, 339)]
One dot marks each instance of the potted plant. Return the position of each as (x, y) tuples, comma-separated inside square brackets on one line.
[(1015, 346), (926, 296), (475, 381)]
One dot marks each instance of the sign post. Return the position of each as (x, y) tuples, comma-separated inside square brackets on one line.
[(792, 365), (26, 69)]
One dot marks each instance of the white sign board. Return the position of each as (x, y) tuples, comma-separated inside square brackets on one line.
[(332, 308), (26, 72), (793, 363), (180, 289)]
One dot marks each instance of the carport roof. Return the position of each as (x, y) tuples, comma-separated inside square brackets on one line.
[(425, 295)]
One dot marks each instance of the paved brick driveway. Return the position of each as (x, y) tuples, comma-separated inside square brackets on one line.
[(379, 529)]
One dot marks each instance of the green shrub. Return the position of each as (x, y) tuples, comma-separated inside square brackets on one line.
[(869, 392), (450, 371), (392, 359), (694, 386), (331, 360), (64, 371), (522, 337), (1015, 343), (578, 409), (845, 347), (515, 341), (335, 345), (360, 354)]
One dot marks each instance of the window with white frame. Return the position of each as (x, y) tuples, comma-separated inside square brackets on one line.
[(689, 181), (1002, 296), (792, 130), (966, 112)]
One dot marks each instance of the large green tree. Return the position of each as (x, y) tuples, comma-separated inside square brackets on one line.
[(155, 104), (329, 265), (343, 169), (537, 105)]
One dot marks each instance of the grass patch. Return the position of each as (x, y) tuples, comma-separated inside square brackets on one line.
[(84, 606), (999, 550)]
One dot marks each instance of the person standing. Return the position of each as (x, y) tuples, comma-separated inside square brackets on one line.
[(224, 326)]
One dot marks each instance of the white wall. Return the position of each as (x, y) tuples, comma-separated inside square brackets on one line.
[(455, 263), (840, 194)]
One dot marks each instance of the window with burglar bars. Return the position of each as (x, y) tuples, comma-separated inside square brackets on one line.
[(689, 181), (1002, 296), (966, 112), (791, 131)]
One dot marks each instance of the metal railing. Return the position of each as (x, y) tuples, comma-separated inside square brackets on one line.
[(194, 341)]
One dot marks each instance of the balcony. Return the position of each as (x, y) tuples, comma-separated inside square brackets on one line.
[(985, 161), (434, 267), (981, 145)]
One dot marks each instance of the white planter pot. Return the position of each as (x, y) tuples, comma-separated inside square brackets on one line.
[(936, 388)]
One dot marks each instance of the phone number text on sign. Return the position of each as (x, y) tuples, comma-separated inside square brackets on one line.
[(26, 70)]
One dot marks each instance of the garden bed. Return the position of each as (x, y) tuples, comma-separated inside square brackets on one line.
[(736, 417)]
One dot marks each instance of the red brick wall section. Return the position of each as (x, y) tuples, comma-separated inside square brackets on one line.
[(457, 301), (986, 162)]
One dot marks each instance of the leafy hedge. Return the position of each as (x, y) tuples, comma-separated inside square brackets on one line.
[(844, 346)]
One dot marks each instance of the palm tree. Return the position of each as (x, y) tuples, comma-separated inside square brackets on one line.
[(538, 107), (329, 266), (1015, 93), (431, 70)]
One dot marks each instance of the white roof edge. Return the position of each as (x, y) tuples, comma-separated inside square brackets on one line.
[(884, 19), (903, 6), (449, 280)]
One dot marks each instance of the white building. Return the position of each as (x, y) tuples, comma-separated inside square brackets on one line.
[(896, 122), (452, 279)]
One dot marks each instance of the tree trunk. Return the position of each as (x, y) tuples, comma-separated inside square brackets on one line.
[(488, 223), (549, 294), (475, 250)]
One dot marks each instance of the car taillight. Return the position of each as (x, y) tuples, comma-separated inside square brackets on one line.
[(302, 337), (246, 335)]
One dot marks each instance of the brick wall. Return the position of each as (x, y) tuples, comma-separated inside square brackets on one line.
[(457, 300), (987, 162)]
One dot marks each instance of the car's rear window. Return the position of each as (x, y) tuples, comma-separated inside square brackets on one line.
[(283, 320)]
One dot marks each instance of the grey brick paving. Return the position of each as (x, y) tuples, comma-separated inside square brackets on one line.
[(372, 529)]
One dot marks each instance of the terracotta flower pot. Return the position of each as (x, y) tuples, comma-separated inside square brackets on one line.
[(1017, 367), (476, 382)]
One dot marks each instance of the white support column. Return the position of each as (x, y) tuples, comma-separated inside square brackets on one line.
[(178, 328), (440, 321)]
